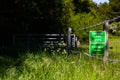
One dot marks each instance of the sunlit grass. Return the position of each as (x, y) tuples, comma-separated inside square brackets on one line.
[(114, 48), (56, 66)]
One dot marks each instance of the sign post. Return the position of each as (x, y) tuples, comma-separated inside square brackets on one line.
[(105, 28), (97, 42)]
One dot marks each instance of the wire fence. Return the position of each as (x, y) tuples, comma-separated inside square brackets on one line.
[(85, 28)]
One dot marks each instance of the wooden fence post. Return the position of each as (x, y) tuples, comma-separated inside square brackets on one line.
[(105, 28), (69, 40)]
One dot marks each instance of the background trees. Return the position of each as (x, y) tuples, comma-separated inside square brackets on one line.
[(114, 7), (52, 16)]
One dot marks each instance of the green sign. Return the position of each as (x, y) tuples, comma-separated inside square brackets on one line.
[(97, 48), (97, 36), (97, 41)]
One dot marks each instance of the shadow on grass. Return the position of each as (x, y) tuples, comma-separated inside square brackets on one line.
[(15, 57), (9, 57)]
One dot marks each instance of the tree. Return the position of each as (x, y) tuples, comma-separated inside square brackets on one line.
[(104, 10), (30, 16), (114, 5), (81, 6)]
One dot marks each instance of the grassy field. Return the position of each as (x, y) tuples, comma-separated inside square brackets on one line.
[(114, 47), (56, 65)]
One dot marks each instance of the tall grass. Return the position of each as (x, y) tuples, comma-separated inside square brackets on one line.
[(114, 46), (56, 66)]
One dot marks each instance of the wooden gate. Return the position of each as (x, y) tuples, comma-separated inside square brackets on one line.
[(52, 41)]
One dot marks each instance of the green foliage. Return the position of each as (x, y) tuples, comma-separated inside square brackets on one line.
[(104, 11), (114, 29), (83, 20), (81, 6), (114, 6), (81, 14), (109, 10)]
